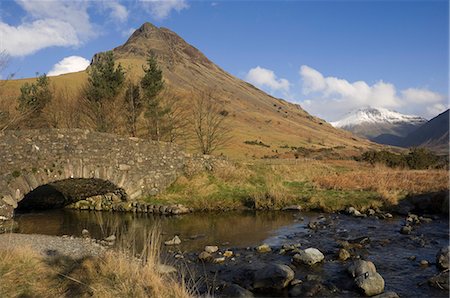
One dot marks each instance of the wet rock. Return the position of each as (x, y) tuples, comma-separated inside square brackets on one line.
[(387, 295), (424, 263), (292, 208), (178, 209), (219, 260), (211, 248), (263, 248), (406, 230), (273, 276), (228, 254), (366, 277), (295, 282), (233, 290), (312, 225), (440, 281), (309, 256), (85, 233), (388, 215), (344, 254), (174, 241), (370, 283), (442, 258), (412, 218), (205, 256), (360, 267), (354, 212)]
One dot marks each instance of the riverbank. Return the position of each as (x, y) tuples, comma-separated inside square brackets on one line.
[(50, 266), (329, 186)]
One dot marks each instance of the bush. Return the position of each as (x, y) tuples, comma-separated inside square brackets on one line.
[(416, 159)]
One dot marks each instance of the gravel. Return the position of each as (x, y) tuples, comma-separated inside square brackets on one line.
[(52, 245)]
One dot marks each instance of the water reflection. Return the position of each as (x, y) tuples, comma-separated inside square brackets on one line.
[(236, 229)]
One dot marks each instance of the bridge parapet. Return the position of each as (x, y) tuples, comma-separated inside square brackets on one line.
[(32, 158)]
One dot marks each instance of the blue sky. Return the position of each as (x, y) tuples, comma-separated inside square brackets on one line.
[(328, 56)]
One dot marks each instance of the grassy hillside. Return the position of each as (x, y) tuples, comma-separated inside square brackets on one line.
[(253, 116)]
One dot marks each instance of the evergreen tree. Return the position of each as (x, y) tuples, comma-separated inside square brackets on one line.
[(105, 82), (133, 106), (152, 84), (33, 99)]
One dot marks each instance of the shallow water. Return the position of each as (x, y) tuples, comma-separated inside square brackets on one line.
[(388, 249)]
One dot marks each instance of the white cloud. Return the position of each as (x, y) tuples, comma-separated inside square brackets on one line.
[(118, 11), (69, 64), (262, 77), (47, 24), (160, 9), (29, 38), (331, 97)]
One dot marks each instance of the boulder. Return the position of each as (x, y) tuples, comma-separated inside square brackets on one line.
[(360, 267), (370, 283), (442, 258), (309, 256), (233, 290), (273, 276)]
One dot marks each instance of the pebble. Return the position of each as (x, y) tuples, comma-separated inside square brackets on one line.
[(211, 248), (424, 263), (263, 248), (228, 253), (174, 241)]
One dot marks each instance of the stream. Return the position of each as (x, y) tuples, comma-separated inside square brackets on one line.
[(396, 256)]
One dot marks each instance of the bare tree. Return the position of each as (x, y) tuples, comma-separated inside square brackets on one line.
[(209, 120)]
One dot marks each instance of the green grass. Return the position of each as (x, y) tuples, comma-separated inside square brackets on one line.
[(261, 187)]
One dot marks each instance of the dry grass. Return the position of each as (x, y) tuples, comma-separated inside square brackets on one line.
[(117, 273), (325, 185), (390, 183), (23, 273)]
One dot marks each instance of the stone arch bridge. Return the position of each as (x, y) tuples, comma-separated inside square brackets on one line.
[(81, 163)]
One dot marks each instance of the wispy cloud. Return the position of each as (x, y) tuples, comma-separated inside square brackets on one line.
[(161, 9), (331, 97), (69, 64), (267, 79)]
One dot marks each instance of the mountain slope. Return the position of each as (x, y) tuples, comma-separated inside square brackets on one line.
[(252, 114), (434, 134), (379, 124)]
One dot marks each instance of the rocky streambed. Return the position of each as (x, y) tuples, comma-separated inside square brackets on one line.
[(288, 253), (329, 255)]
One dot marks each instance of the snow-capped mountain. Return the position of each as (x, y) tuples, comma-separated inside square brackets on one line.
[(372, 122)]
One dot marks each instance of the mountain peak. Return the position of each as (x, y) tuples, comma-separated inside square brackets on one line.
[(374, 115), (169, 48)]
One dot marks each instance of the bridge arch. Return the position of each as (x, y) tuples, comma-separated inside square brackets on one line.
[(30, 159)]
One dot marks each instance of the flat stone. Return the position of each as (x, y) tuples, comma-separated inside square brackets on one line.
[(309, 256)]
